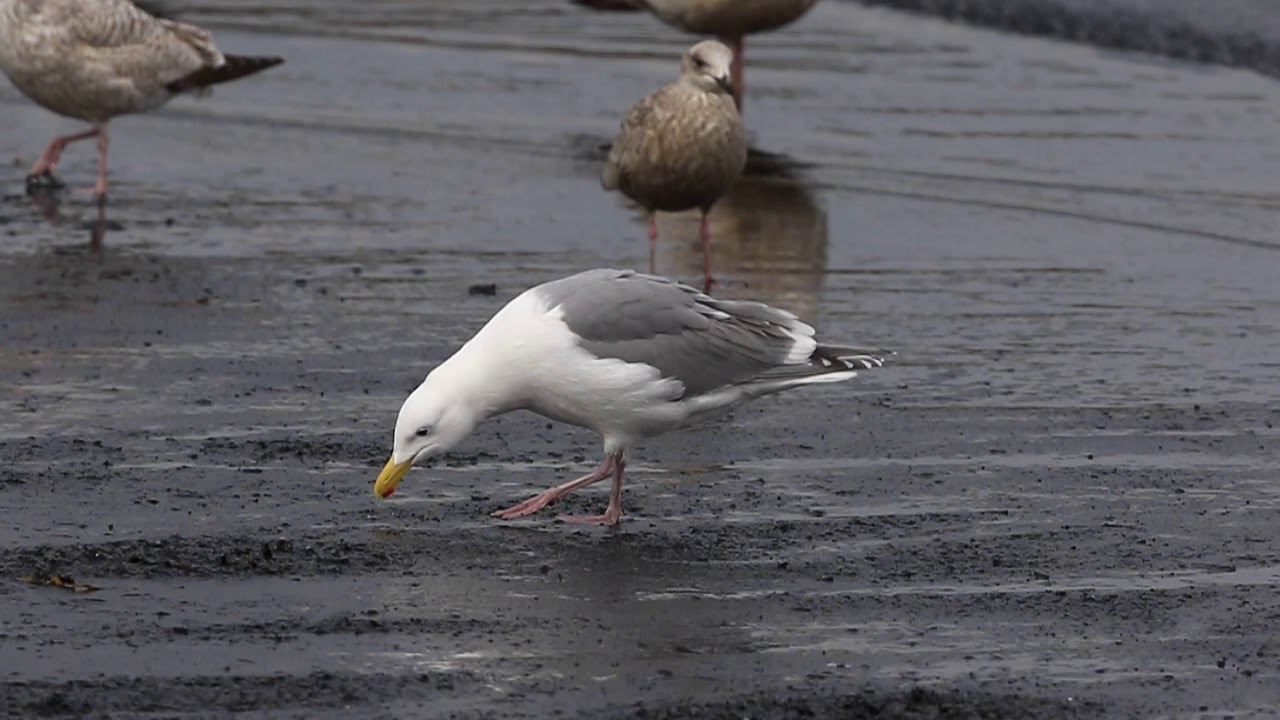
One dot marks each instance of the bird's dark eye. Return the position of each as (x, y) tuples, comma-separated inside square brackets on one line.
[(423, 431), (699, 62)]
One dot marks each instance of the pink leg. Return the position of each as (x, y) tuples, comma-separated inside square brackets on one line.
[(653, 241), (736, 44), (546, 497), (704, 232), (613, 513), (100, 189), (48, 161)]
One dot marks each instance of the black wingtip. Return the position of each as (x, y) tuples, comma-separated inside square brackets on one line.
[(235, 67), (848, 358)]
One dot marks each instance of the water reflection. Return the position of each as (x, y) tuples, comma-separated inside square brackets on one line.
[(607, 603), (48, 202), (768, 239), (127, 288)]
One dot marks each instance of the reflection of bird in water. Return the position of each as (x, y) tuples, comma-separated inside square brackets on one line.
[(770, 237), (682, 146), (728, 20), (95, 59), (46, 200), (630, 356)]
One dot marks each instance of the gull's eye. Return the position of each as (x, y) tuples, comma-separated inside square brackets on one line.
[(423, 431), (699, 62)]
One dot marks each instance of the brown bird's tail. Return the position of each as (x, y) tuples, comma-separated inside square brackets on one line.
[(236, 67)]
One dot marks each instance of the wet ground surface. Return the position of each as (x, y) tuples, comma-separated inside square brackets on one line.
[(1237, 33), (1058, 500)]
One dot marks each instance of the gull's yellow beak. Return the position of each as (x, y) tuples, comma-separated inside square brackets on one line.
[(390, 477)]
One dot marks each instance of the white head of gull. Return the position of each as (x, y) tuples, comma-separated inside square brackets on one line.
[(627, 355)]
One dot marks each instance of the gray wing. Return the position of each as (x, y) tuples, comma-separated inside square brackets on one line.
[(702, 342), (105, 23)]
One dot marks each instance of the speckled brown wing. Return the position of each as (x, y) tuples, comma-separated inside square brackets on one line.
[(679, 148), (108, 23), (95, 59), (124, 34), (149, 53), (630, 142)]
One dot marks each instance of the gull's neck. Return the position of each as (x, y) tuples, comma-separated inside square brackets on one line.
[(689, 80), (474, 380), (692, 84)]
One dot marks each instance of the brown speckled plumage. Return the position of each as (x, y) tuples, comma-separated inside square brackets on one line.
[(96, 59), (679, 148), (683, 146)]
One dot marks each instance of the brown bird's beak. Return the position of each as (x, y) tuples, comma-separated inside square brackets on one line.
[(724, 82)]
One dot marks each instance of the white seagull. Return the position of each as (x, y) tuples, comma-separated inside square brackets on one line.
[(95, 59), (627, 355)]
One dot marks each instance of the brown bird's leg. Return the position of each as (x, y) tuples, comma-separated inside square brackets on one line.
[(613, 513), (736, 44), (704, 233), (546, 497), (653, 240), (100, 188), (48, 161)]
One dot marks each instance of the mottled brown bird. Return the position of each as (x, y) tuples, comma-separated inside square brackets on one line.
[(683, 146), (95, 59), (728, 20)]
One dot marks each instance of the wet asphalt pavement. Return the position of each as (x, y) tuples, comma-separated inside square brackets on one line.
[(1236, 33), (1058, 500)]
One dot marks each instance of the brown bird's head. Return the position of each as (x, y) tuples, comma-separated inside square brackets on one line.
[(706, 65)]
